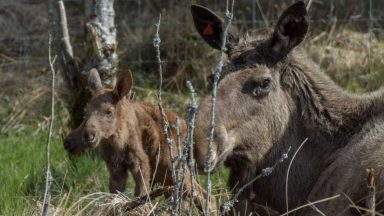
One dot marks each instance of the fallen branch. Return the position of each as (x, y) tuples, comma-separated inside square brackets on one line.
[(143, 199)]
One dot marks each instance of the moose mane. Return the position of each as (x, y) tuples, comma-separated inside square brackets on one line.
[(321, 102)]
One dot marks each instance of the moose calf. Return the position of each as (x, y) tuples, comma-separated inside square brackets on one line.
[(129, 136)]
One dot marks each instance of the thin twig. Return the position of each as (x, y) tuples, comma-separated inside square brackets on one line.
[(311, 203), (225, 207), (190, 118), (156, 44), (352, 203), (371, 186), (60, 36), (177, 195), (317, 210), (367, 210), (216, 77), (289, 168), (157, 165), (48, 176)]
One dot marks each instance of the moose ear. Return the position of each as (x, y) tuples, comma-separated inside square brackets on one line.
[(94, 81), (290, 29), (211, 27), (124, 85)]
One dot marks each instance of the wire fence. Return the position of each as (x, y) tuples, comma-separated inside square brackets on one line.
[(185, 54)]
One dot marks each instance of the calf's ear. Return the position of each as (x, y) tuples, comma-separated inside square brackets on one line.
[(211, 28), (291, 29), (124, 84), (94, 81)]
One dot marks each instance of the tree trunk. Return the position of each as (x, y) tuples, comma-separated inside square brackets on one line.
[(101, 33), (101, 52)]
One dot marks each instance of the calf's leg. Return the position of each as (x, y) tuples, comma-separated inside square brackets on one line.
[(117, 177), (141, 171)]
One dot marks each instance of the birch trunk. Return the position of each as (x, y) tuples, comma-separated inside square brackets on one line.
[(101, 51), (101, 34)]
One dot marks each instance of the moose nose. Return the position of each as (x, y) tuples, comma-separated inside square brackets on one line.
[(90, 137)]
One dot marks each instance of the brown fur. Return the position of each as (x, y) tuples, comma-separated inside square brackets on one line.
[(256, 125), (129, 136)]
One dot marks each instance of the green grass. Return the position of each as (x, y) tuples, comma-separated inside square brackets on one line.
[(22, 164), (22, 177)]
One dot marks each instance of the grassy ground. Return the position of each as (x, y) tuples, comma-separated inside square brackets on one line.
[(22, 165)]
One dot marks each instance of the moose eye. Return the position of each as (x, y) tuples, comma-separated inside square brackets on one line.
[(109, 113), (257, 88), (265, 84)]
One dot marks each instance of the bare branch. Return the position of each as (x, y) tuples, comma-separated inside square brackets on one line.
[(69, 68), (48, 176), (264, 172), (190, 118), (169, 141), (59, 32), (156, 44), (68, 51), (216, 77)]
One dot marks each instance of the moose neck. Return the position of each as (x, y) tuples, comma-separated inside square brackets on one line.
[(325, 109), (325, 114)]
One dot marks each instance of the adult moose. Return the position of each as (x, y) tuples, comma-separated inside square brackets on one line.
[(129, 137), (270, 97)]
